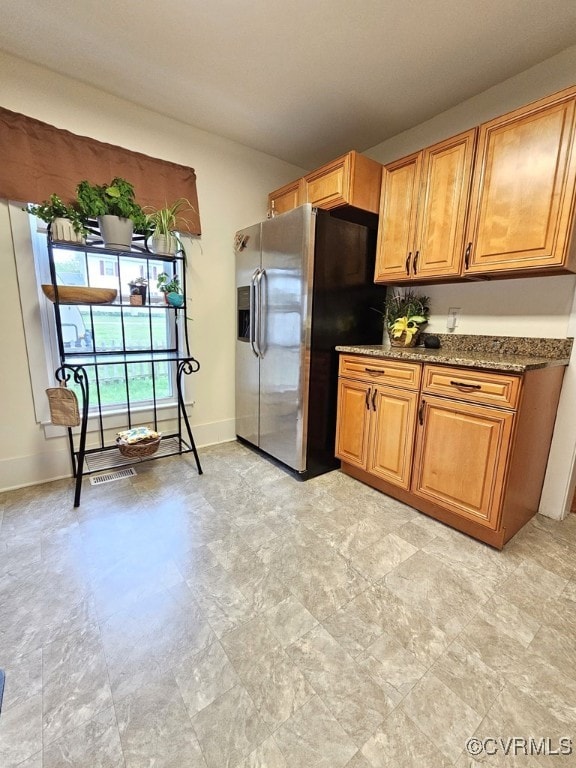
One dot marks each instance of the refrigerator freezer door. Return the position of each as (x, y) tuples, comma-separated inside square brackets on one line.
[(247, 362), (283, 333)]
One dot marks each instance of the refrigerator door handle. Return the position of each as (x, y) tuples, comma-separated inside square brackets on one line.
[(253, 313), (260, 314)]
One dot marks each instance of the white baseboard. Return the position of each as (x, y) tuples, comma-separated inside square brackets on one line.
[(37, 468), (215, 432), (54, 464)]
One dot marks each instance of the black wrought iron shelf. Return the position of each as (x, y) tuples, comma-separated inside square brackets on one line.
[(99, 460), (89, 359), (86, 367), (96, 246)]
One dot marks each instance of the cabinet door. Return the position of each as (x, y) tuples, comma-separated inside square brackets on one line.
[(442, 206), (392, 434), (353, 422), (329, 186), (397, 224), (520, 215), (286, 198), (461, 457)]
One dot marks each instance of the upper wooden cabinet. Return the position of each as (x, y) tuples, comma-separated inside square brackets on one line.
[(352, 179), (423, 207), (523, 196), (287, 197), (500, 206)]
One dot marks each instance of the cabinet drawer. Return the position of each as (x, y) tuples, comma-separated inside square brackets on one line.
[(380, 370), (499, 389)]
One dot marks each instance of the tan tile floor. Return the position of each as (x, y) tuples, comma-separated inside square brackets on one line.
[(245, 619)]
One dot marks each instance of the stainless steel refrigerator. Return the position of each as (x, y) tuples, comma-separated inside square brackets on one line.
[(304, 284)]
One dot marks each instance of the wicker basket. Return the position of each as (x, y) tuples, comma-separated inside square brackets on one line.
[(139, 450)]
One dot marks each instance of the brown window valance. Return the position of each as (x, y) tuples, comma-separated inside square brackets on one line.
[(37, 159)]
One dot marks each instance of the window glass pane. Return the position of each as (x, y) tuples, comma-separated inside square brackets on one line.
[(144, 381), (117, 327)]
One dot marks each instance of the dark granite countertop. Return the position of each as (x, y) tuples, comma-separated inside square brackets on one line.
[(497, 353)]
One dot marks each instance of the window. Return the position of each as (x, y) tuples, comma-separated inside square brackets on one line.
[(94, 328)]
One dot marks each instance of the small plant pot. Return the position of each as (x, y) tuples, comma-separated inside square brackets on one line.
[(62, 231), (174, 299), (138, 290), (116, 232), (401, 340), (163, 245)]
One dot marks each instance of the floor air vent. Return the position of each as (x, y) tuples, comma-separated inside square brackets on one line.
[(110, 477)]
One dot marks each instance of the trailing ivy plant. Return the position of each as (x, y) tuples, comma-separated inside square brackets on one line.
[(56, 208)]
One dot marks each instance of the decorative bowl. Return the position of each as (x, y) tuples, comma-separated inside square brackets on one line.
[(80, 294)]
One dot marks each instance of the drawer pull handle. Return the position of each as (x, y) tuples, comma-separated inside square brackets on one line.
[(415, 263), (421, 412), (375, 371), (467, 256), (368, 398), (465, 385), (374, 399), (407, 265)]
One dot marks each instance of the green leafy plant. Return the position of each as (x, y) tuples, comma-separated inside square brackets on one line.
[(56, 208), (405, 313), (114, 199), (167, 284), (164, 221)]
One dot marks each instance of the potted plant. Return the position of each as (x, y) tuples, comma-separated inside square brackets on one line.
[(405, 314), (117, 212), (170, 287), (163, 223), (138, 288), (67, 225)]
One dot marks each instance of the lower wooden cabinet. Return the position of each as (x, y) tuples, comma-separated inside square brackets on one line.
[(375, 429), (353, 422), (461, 457), (377, 406), (468, 447), (390, 444)]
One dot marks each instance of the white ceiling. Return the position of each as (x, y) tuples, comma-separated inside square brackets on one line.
[(303, 80)]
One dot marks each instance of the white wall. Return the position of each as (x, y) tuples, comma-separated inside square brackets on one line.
[(233, 182), (528, 307)]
